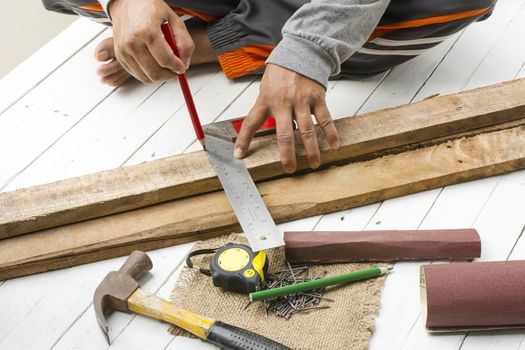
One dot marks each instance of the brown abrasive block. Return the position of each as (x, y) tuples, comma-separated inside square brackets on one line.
[(473, 296), (392, 245)]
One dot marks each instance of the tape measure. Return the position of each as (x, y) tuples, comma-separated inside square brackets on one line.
[(235, 267)]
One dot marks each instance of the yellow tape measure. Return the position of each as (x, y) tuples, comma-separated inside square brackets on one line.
[(235, 267)]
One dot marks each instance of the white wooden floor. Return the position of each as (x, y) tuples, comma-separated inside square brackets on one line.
[(58, 121)]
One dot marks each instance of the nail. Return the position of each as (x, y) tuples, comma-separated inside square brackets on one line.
[(335, 144), (103, 55), (314, 164), (289, 169), (238, 153)]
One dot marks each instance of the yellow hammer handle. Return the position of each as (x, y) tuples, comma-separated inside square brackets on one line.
[(149, 304)]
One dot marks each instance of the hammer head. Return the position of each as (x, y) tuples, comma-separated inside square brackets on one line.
[(115, 289)]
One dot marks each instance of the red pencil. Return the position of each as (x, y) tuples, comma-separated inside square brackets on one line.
[(168, 35)]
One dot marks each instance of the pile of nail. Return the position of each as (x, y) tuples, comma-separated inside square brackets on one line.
[(302, 302)]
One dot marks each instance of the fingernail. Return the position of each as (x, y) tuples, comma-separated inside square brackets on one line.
[(314, 164), (103, 55), (335, 144), (238, 153), (289, 169)]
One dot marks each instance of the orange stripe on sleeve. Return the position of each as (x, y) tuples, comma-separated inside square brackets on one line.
[(244, 60), (383, 29), (94, 7)]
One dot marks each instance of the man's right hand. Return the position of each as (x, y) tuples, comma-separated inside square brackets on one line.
[(140, 46)]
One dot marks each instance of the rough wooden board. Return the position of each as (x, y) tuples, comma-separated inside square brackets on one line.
[(127, 188), (290, 198)]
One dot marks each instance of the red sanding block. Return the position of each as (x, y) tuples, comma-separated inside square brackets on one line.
[(356, 246), (473, 296)]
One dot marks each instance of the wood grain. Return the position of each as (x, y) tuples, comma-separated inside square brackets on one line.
[(290, 198), (127, 188)]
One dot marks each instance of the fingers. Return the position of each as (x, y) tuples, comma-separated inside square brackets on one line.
[(105, 50), (107, 69), (150, 66), (163, 55), (183, 39), (252, 122), (322, 115), (115, 79), (147, 56), (133, 68), (285, 139), (308, 136)]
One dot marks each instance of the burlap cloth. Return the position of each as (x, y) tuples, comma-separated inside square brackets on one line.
[(347, 324)]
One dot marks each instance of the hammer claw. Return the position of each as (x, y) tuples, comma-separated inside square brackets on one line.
[(105, 331), (113, 292)]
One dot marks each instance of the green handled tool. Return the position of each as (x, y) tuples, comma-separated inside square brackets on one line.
[(319, 283)]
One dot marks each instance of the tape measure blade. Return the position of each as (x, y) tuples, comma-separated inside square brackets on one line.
[(249, 207)]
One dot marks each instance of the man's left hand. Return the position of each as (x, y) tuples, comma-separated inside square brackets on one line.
[(287, 95)]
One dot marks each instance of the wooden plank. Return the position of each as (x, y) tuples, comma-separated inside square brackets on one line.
[(210, 214), (145, 184)]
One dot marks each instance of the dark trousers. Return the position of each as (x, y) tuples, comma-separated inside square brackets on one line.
[(244, 32)]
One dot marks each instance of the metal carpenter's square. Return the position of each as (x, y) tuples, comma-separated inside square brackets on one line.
[(254, 217)]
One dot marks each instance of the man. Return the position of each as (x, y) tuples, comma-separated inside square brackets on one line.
[(296, 44)]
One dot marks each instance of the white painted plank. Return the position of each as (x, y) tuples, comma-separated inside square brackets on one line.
[(45, 114), (505, 58), (161, 144), (348, 220), (475, 43), (403, 81), (123, 125), (348, 96), (521, 73), (518, 252), (493, 340), (46, 60)]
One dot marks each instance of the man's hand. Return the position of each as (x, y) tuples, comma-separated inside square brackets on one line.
[(286, 95), (140, 46)]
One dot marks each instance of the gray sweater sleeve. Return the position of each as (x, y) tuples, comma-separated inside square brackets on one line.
[(322, 34)]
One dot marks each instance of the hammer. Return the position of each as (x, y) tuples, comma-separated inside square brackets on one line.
[(120, 290)]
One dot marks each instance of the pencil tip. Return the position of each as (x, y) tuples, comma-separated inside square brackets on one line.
[(203, 143), (387, 269)]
